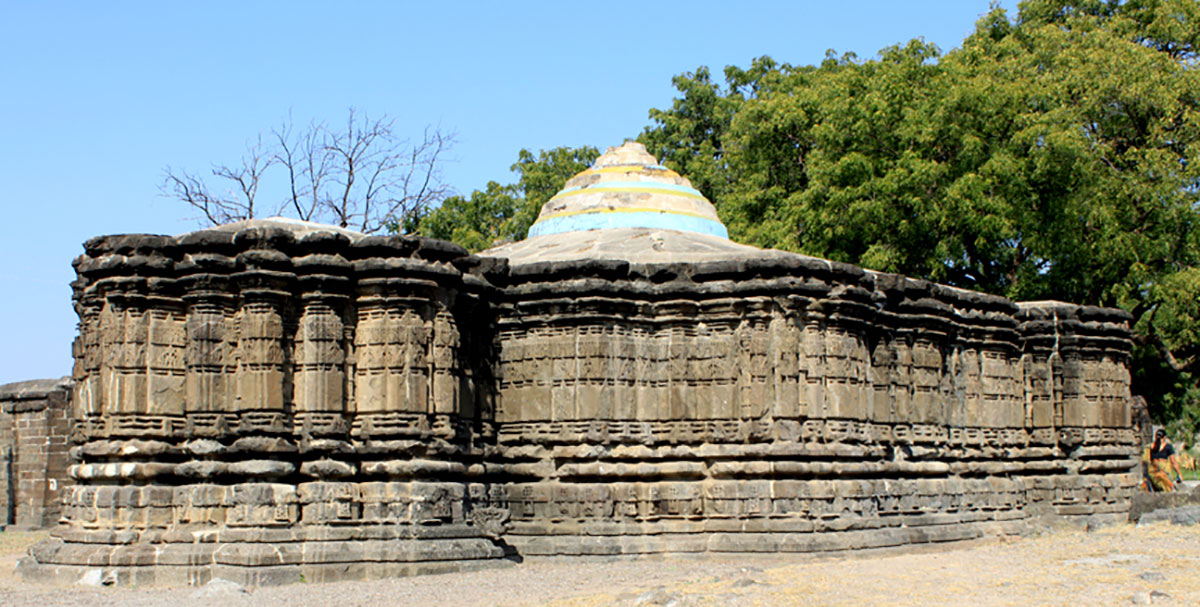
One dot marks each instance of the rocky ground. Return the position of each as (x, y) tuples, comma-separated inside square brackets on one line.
[(1155, 563)]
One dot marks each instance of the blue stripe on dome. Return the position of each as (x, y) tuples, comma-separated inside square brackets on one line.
[(638, 219)]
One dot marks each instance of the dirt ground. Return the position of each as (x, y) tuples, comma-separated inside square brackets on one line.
[(1123, 565)]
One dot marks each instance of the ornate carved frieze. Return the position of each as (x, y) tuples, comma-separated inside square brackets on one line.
[(335, 405)]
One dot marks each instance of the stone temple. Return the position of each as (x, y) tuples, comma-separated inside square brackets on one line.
[(272, 400)]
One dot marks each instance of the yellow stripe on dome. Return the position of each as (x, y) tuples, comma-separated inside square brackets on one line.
[(623, 210), (600, 189), (629, 168)]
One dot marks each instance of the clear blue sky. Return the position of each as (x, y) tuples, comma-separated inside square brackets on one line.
[(96, 98)]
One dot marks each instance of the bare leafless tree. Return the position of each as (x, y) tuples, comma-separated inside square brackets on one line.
[(363, 177), (294, 153), (378, 180), (238, 200)]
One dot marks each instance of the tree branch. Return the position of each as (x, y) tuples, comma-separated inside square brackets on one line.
[(362, 176)]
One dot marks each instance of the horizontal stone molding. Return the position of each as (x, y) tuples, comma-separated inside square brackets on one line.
[(273, 399)]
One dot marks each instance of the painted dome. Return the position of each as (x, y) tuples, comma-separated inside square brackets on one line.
[(627, 188)]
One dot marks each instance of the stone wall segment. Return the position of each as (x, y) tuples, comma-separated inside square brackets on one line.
[(657, 380), (297, 396), (33, 452), (318, 403)]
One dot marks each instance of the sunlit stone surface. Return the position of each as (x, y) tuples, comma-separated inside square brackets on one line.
[(274, 399)]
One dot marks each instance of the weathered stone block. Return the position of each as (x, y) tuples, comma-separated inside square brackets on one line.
[(271, 398)]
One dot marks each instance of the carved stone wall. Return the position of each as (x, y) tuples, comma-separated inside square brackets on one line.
[(792, 404), (269, 400), (271, 403)]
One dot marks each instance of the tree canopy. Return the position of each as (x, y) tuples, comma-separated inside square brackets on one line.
[(503, 213), (1054, 155)]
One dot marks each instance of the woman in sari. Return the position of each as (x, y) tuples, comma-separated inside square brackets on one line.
[(1160, 460)]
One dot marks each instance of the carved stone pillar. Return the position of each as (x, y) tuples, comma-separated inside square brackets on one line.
[(211, 347), (263, 373), (320, 355)]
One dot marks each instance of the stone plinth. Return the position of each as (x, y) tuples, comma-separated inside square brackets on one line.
[(780, 403), (272, 401)]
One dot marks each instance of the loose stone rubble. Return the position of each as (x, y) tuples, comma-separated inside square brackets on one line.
[(272, 401)]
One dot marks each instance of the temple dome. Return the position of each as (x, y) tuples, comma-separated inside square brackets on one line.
[(297, 227), (627, 188)]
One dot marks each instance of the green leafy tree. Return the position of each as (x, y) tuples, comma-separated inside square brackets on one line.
[(474, 222), (691, 135), (1051, 156), (502, 213), (1054, 155), (542, 176)]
